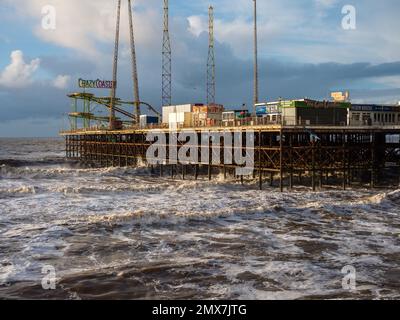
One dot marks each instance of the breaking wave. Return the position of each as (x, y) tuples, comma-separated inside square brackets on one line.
[(391, 196), (67, 170), (124, 233)]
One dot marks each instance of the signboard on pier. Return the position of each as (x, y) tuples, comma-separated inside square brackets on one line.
[(340, 96), (96, 84)]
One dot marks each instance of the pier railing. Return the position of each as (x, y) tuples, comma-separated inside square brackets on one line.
[(250, 122)]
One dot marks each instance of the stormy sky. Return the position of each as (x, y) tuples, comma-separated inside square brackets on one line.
[(304, 51)]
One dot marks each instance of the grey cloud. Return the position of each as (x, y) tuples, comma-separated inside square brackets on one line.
[(277, 78), (234, 83), (234, 78), (67, 65)]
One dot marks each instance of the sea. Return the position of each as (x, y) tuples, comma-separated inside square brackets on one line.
[(73, 232)]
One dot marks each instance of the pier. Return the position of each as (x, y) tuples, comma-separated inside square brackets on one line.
[(284, 156)]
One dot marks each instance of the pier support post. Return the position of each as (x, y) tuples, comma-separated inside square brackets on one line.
[(66, 147), (281, 162), (291, 180), (271, 179), (119, 154), (344, 162), (373, 150), (313, 168), (320, 179), (260, 174), (291, 161), (210, 155)]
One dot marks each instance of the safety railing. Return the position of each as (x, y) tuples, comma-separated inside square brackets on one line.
[(244, 122)]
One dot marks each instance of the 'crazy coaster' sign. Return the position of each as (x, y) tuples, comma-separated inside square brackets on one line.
[(95, 84)]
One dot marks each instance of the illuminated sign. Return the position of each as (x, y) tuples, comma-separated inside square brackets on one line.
[(261, 110), (95, 84), (340, 96), (375, 108)]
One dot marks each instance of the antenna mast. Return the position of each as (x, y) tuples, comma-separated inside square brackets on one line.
[(166, 60), (211, 59), (255, 97), (115, 69), (134, 65)]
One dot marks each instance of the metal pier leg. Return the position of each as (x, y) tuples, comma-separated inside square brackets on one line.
[(344, 162), (281, 163), (291, 180), (210, 155), (313, 168), (320, 178), (260, 173), (291, 162), (373, 161)]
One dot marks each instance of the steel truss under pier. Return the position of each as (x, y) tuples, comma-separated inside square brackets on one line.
[(313, 156)]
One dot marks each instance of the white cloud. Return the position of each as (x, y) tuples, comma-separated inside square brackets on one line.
[(18, 73), (84, 25), (304, 30), (325, 3), (197, 25), (61, 81)]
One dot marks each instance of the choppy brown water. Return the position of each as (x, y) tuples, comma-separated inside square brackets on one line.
[(122, 233)]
